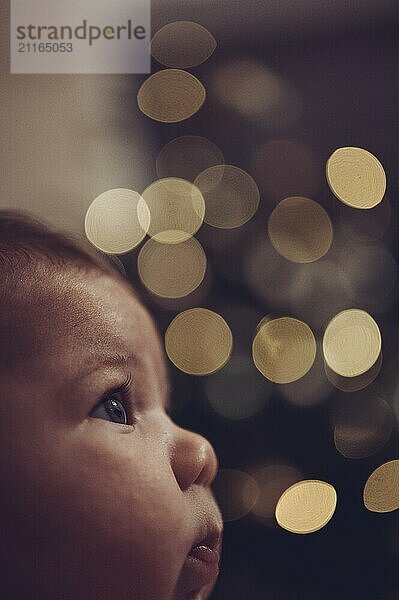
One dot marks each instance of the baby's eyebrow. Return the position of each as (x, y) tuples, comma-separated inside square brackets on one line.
[(118, 359)]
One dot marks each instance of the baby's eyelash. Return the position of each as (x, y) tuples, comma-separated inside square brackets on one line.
[(124, 390)]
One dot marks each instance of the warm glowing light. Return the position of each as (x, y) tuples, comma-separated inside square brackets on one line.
[(351, 343), (381, 492), (273, 479), (238, 391), (113, 223), (357, 383), (171, 95), (177, 209), (363, 424), (195, 298), (198, 341), (231, 196), (187, 156), (236, 493), (312, 389), (306, 506), (172, 270), (356, 177), (182, 44), (284, 349), (300, 229), (246, 86)]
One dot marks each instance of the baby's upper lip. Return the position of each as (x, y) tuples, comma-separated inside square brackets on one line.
[(210, 537)]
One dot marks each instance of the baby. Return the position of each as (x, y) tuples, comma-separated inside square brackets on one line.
[(103, 496)]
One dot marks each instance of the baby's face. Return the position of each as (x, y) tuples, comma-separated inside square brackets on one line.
[(93, 507)]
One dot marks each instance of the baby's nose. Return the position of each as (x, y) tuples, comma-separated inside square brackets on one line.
[(193, 459)]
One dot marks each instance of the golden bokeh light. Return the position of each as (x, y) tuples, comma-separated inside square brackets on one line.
[(238, 391), (182, 44), (306, 506), (381, 492), (351, 343), (300, 229), (273, 479), (356, 177), (198, 341), (117, 221), (283, 349), (177, 209), (187, 156), (357, 383), (236, 493), (195, 298), (171, 270), (363, 424), (231, 196), (246, 86), (171, 96)]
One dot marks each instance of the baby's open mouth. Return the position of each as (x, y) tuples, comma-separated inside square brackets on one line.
[(202, 562), (205, 553)]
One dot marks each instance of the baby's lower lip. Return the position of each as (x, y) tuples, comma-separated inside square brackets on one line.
[(202, 566)]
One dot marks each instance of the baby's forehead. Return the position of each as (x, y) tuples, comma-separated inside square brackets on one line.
[(78, 317)]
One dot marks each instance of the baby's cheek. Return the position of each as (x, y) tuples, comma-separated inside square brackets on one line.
[(117, 501)]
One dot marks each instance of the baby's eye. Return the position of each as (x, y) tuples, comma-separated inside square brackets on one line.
[(111, 408)]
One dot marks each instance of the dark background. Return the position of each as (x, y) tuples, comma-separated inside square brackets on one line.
[(341, 58)]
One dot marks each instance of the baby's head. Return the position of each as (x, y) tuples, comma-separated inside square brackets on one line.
[(103, 496)]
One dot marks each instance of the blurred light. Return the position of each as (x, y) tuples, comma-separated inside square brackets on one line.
[(351, 343), (171, 96), (236, 493), (368, 273), (251, 89), (365, 225), (306, 506), (246, 86), (176, 207), (285, 168), (117, 221), (273, 479), (315, 292), (198, 341), (187, 156), (194, 299), (182, 44), (312, 389), (284, 349), (172, 270), (381, 492), (357, 383), (238, 391), (363, 424), (356, 177), (231, 196), (300, 229)]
